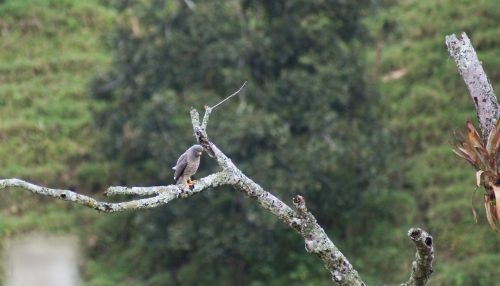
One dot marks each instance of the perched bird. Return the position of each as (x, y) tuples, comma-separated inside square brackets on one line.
[(187, 165)]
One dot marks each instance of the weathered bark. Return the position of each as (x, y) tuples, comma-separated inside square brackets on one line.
[(421, 268), (162, 194), (297, 217), (300, 219), (480, 89)]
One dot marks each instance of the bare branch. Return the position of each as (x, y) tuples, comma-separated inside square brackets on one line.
[(195, 118), (227, 98), (190, 4), (421, 268), (476, 80), (298, 218), (71, 196), (208, 109), (138, 191), (318, 242), (164, 194)]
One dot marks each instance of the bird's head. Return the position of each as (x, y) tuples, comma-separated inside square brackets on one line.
[(197, 150)]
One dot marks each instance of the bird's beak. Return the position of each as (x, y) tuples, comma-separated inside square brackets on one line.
[(199, 153)]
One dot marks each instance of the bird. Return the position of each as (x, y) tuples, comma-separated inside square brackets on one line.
[(187, 165)]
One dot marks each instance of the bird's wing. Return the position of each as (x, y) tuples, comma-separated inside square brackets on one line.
[(180, 166)]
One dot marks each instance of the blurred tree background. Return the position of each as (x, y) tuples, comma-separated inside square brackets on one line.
[(349, 103)]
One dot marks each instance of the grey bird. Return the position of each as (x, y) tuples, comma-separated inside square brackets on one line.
[(187, 165)]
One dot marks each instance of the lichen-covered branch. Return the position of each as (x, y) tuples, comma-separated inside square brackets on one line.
[(318, 242), (298, 218), (204, 123), (477, 82), (421, 268), (139, 191), (487, 109), (80, 199), (162, 194), (213, 180)]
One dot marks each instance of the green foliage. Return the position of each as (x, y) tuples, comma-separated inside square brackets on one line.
[(302, 125), (308, 122), (422, 108), (46, 59), (48, 51)]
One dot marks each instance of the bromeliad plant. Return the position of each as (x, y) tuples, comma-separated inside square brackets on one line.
[(485, 159)]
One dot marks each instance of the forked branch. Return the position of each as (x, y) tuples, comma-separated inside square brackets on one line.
[(421, 268), (161, 195), (297, 217)]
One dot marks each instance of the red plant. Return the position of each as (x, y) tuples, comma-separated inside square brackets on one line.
[(485, 159)]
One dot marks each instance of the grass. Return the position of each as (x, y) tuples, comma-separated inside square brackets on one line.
[(49, 52)]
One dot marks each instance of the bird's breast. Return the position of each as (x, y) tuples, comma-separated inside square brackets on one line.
[(192, 166)]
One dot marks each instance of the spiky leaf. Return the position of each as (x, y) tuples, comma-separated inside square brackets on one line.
[(473, 136), (496, 206), (490, 143), (489, 212)]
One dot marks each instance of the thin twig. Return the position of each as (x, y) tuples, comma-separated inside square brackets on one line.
[(208, 109), (235, 93), (190, 4)]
